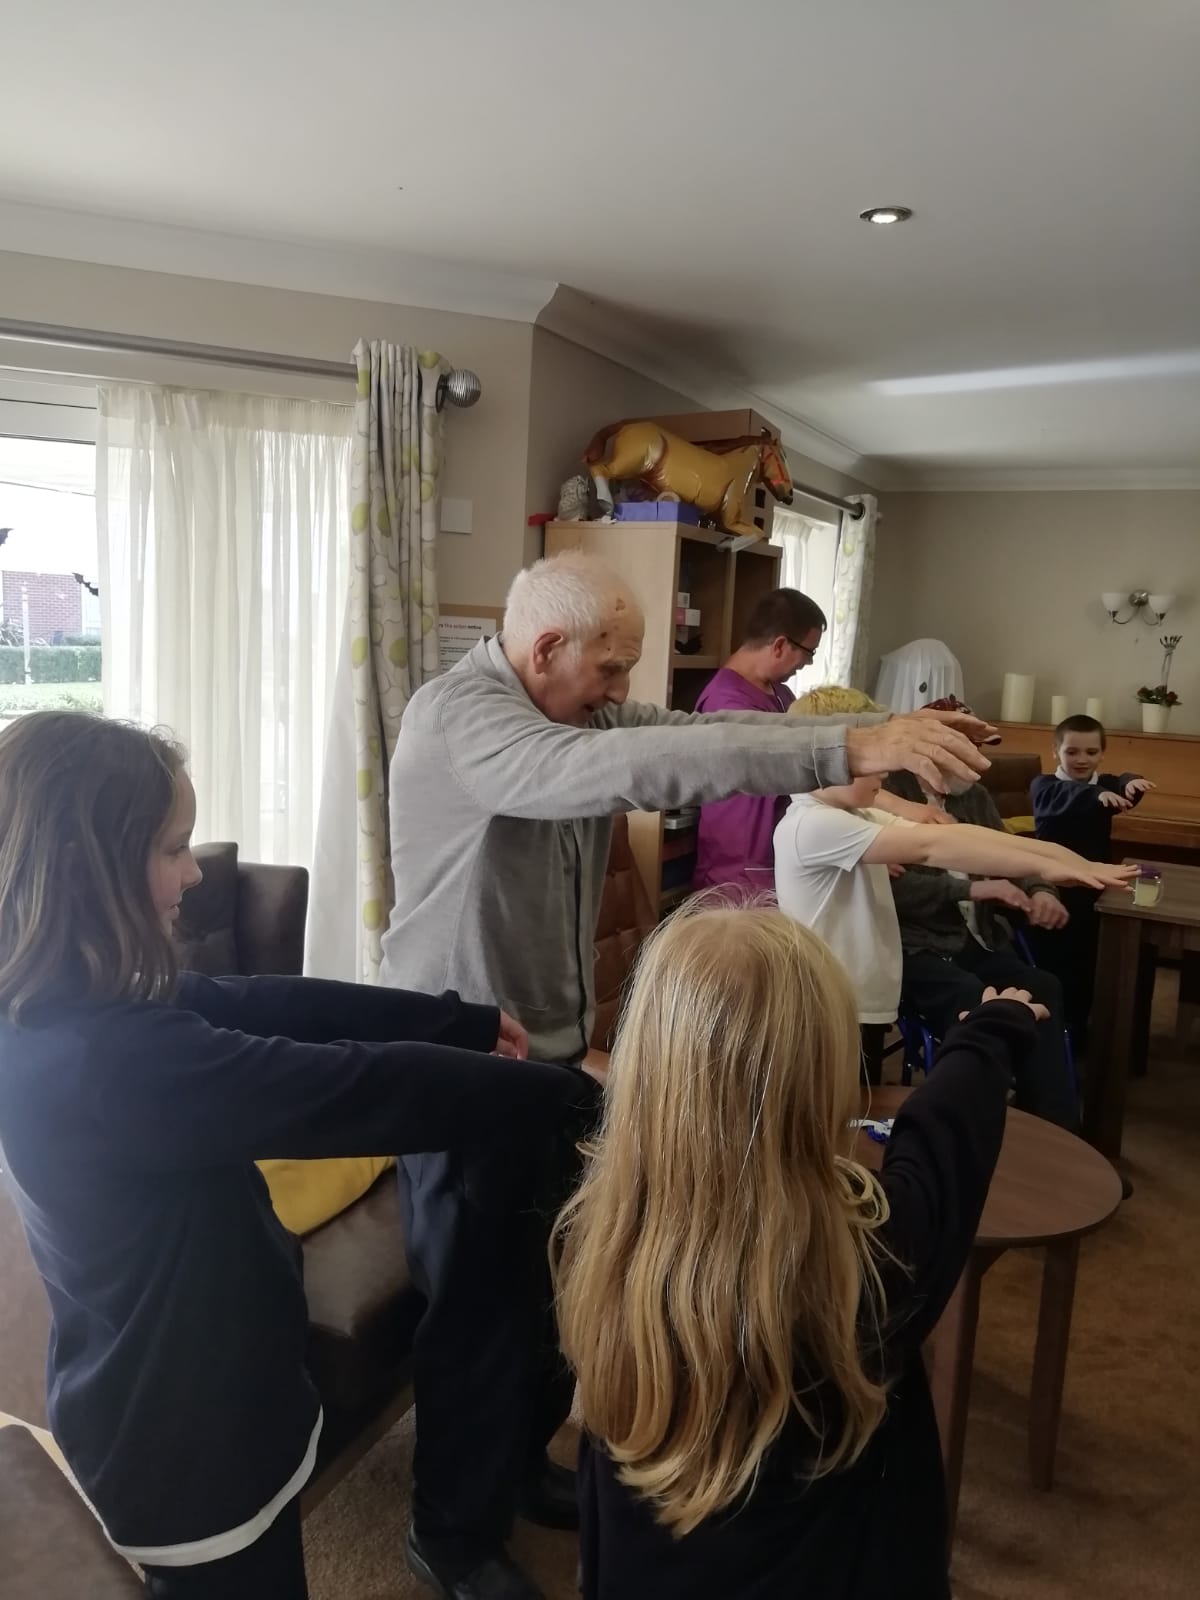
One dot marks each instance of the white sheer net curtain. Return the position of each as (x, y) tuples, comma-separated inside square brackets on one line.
[(809, 563), (224, 570)]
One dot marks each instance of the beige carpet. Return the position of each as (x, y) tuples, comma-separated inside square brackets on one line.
[(1119, 1524)]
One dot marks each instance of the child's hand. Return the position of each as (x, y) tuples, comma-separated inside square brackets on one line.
[(1113, 800), (935, 813), (1001, 890), (1137, 786), (895, 870), (512, 1041), (1022, 996)]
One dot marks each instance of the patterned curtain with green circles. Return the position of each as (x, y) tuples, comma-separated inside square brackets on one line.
[(394, 500)]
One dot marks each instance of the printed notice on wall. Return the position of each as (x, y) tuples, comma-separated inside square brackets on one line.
[(458, 634)]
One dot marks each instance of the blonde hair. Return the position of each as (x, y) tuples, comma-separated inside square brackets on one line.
[(831, 700), (722, 1231), (82, 801)]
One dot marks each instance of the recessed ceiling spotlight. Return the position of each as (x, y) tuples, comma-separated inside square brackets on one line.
[(885, 214)]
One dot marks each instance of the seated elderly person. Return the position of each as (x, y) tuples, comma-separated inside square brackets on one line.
[(957, 940)]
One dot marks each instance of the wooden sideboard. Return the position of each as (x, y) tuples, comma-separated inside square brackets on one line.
[(1167, 822)]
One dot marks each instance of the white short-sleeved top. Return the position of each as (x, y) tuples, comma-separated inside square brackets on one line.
[(822, 881)]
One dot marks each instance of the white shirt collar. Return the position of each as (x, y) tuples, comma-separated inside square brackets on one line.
[(1066, 776)]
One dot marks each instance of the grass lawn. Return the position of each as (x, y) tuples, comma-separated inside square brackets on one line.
[(17, 698)]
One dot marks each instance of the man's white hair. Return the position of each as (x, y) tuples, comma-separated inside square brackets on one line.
[(574, 594)]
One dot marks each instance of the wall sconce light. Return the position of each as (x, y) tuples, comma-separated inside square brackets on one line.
[(1140, 602)]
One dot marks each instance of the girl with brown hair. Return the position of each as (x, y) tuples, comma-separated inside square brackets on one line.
[(134, 1103)]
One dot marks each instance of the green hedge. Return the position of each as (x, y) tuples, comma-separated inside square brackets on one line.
[(51, 663)]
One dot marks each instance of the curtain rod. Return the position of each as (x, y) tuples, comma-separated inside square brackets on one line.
[(137, 344), (219, 355), (460, 388), (854, 508)]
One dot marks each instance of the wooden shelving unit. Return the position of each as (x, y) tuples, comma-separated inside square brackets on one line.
[(659, 560)]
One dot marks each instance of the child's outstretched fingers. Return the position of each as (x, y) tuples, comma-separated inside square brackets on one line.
[(1021, 996)]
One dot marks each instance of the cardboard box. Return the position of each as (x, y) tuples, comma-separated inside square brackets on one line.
[(657, 511)]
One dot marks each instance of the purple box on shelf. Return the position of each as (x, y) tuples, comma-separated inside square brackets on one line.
[(657, 511)]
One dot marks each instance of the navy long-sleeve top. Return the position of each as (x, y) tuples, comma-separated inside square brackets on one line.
[(877, 1530), (1070, 813), (176, 1380)]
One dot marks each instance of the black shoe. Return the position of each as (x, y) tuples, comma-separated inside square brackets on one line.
[(497, 1577), (547, 1497)]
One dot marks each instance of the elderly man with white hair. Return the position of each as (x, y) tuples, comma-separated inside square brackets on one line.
[(506, 775)]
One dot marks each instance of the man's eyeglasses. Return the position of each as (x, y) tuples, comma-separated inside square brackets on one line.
[(805, 650)]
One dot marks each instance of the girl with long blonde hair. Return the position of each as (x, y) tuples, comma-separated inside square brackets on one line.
[(742, 1302)]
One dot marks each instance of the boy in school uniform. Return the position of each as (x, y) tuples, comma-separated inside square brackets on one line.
[(1075, 807)]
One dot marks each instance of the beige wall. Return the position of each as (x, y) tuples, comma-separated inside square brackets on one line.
[(485, 447), (572, 394), (1011, 581)]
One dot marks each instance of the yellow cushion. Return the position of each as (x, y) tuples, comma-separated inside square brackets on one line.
[(1019, 824), (307, 1193)]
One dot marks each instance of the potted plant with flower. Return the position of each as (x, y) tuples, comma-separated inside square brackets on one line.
[(1156, 703)]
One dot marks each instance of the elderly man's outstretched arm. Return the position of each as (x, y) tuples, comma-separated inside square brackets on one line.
[(516, 764)]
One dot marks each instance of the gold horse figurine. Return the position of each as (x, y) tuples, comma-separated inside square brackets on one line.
[(717, 482)]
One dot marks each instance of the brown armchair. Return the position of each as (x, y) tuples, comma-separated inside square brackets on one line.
[(1009, 780), (244, 918)]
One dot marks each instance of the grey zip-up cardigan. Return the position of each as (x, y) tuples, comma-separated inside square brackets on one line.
[(500, 823)]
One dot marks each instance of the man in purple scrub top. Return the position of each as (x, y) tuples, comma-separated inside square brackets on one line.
[(734, 838)]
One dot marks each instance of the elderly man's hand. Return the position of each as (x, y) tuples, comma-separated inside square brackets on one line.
[(975, 728), (939, 756)]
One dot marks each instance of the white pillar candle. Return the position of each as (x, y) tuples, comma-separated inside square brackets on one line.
[(1095, 708), (1058, 708), (1016, 702)]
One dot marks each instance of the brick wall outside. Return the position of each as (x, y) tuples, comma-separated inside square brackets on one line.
[(55, 604)]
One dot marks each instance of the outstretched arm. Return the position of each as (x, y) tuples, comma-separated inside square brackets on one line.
[(986, 852), (314, 1011), (939, 1161), (1062, 797), (518, 764), (193, 1096)]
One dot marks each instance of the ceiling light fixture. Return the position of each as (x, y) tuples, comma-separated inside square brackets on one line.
[(885, 214)]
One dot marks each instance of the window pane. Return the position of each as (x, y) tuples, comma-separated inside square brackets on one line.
[(49, 612)]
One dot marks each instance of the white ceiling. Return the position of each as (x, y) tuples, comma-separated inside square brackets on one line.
[(698, 171)]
